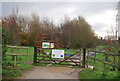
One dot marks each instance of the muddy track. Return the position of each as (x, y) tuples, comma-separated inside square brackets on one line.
[(46, 72)]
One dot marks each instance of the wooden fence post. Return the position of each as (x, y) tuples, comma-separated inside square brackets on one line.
[(119, 53), (118, 60), (95, 61), (35, 54), (87, 58), (80, 61), (104, 71), (84, 55)]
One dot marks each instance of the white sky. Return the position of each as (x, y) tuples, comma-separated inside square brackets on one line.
[(59, 0), (100, 15)]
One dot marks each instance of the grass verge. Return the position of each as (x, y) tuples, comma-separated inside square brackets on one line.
[(10, 72), (98, 74)]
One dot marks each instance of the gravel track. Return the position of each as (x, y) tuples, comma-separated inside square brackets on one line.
[(46, 72)]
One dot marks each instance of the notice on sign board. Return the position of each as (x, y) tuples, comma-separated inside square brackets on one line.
[(52, 45), (57, 53), (45, 45)]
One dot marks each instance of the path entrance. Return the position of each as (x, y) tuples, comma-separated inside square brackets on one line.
[(73, 59), (45, 72)]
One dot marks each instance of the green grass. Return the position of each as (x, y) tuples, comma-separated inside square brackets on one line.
[(98, 64), (23, 51), (29, 58), (99, 47), (77, 67), (97, 73), (58, 65), (39, 64), (24, 66), (10, 72), (21, 59)]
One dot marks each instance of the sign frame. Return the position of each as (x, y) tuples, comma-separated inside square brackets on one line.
[(57, 53)]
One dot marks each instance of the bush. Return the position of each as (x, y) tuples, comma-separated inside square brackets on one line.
[(4, 43), (10, 72), (98, 74)]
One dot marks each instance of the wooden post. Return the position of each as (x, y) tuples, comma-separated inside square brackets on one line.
[(15, 60), (35, 54), (104, 71), (94, 61), (87, 58), (43, 54), (119, 53), (27, 57), (84, 55), (118, 60), (119, 40), (114, 61), (80, 58)]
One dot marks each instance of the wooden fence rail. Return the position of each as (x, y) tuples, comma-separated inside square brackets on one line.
[(114, 63), (105, 62), (113, 54), (15, 52)]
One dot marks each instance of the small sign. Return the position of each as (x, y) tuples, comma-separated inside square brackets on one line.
[(57, 53), (48, 45), (48, 53), (52, 45), (45, 45), (68, 55)]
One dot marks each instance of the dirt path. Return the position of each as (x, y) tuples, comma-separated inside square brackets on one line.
[(45, 72)]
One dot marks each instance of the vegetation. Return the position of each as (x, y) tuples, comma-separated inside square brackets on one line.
[(4, 43), (76, 33), (10, 71), (99, 72), (23, 30)]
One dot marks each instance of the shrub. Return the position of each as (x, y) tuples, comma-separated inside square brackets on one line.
[(4, 43)]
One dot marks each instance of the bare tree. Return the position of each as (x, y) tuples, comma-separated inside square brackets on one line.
[(35, 28), (13, 29)]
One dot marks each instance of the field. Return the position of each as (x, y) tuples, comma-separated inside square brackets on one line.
[(10, 71), (97, 73), (25, 63)]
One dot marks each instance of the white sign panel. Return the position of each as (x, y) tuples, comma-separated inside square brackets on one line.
[(45, 45), (57, 53), (52, 45)]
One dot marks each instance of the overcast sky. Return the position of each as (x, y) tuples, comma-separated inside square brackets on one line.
[(100, 15)]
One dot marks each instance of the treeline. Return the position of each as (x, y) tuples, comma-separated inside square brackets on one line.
[(23, 30)]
